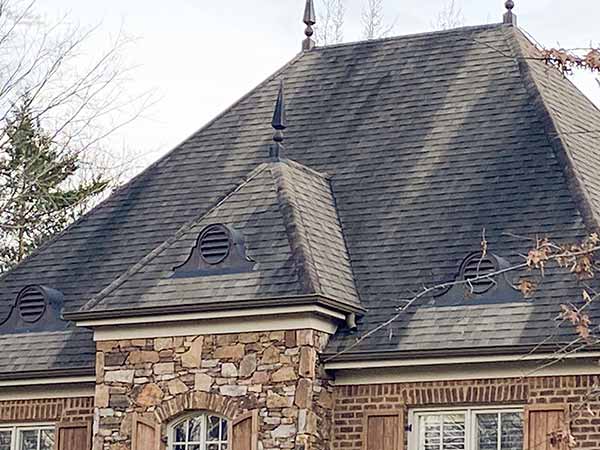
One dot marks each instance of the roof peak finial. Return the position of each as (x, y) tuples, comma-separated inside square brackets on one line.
[(309, 20), (279, 122), (509, 17)]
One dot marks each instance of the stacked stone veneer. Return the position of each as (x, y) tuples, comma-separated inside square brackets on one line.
[(276, 373)]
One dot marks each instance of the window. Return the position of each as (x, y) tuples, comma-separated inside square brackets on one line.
[(27, 438), (199, 432), (468, 429)]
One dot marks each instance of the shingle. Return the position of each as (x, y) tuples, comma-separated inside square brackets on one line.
[(288, 217), (426, 140), (73, 349)]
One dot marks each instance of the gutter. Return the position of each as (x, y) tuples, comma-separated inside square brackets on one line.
[(59, 376), (317, 299), (358, 360)]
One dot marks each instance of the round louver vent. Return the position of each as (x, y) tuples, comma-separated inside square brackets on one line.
[(31, 304), (474, 268), (215, 244)]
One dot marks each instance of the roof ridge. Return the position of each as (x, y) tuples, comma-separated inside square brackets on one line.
[(166, 244), (410, 36), (293, 184), (536, 44), (299, 166), (573, 178), (295, 230)]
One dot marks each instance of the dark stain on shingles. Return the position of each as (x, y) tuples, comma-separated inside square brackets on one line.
[(353, 110)]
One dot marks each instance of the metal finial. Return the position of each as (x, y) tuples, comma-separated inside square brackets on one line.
[(279, 123), (309, 20), (509, 17)]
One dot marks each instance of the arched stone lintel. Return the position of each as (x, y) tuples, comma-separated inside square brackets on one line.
[(196, 401)]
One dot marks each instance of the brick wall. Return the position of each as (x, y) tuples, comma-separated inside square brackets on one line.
[(48, 410), (351, 402)]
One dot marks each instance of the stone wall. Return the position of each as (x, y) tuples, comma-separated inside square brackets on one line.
[(276, 373), (351, 402)]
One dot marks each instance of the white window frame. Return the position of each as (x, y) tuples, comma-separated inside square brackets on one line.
[(203, 443), (14, 428), (470, 413)]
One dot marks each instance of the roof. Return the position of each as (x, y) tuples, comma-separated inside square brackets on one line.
[(288, 217), (426, 141), (38, 355)]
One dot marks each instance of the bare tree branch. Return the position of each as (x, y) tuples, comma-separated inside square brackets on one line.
[(373, 20), (451, 16), (78, 99), (330, 25)]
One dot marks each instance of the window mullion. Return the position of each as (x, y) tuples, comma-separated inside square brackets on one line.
[(203, 431), (442, 416), (499, 431), (470, 430)]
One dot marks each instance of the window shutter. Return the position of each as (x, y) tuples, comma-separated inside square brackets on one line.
[(244, 435), (541, 423), (74, 436), (383, 430), (145, 434)]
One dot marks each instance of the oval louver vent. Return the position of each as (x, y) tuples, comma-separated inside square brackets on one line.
[(32, 305), (215, 244), (473, 269)]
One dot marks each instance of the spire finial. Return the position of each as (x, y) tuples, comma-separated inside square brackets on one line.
[(309, 20), (509, 17), (279, 122)]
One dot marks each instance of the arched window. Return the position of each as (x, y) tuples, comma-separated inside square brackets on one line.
[(199, 431)]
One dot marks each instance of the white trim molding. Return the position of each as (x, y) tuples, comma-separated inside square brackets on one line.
[(470, 425), (453, 371), (314, 317), (373, 364), (47, 388)]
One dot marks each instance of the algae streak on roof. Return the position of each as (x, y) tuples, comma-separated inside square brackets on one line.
[(423, 141)]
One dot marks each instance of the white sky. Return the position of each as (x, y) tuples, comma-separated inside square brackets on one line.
[(200, 56)]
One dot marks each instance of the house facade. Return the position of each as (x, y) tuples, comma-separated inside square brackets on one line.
[(264, 285)]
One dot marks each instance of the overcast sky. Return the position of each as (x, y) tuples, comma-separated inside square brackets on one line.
[(200, 56)]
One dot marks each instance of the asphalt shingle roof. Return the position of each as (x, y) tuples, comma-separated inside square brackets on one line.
[(426, 140), (39, 352), (287, 215)]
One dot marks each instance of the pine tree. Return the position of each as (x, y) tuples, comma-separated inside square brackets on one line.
[(40, 190)]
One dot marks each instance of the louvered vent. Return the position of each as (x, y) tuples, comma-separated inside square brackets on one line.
[(215, 244), (473, 269), (32, 304)]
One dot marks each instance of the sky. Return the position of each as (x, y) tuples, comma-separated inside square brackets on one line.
[(197, 57)]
